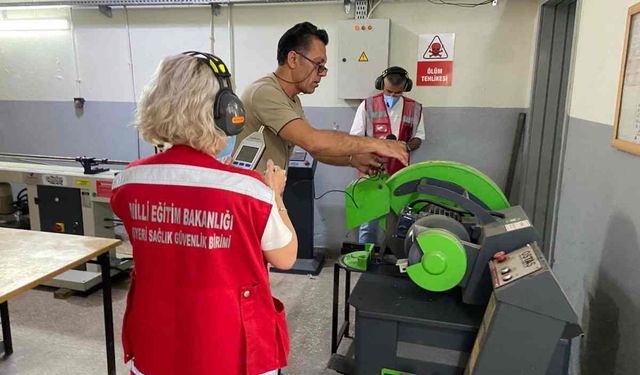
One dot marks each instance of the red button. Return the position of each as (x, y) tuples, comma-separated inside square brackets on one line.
[(500, 256)]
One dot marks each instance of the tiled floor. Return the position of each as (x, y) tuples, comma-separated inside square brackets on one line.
[(55, 337)]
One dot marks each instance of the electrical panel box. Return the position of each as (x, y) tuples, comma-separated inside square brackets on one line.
[(363, 53)]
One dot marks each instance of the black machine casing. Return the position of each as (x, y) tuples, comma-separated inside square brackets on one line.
[(527, 315), (299, 196), (508, 234), (60, 209), (403, 327)]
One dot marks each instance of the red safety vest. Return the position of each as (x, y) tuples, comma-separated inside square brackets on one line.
[(199, 300), (379, 124)]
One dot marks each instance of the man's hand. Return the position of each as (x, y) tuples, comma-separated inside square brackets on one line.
[(367, 163), (414, 143), (392, 149)]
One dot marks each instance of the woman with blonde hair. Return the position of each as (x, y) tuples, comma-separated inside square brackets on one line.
[(202, 234)]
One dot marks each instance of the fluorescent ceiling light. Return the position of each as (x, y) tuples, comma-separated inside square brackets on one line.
[(35, 6), (34, 25)]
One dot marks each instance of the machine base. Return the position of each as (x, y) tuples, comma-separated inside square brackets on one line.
[(402, 327)]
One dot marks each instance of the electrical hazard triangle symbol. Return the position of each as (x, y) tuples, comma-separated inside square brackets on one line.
[(363, 57), (436, 50)]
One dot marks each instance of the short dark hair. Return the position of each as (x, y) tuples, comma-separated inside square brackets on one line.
[(396, 79), (299, 38)]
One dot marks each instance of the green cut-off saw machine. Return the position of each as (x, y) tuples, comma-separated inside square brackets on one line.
[(444, 221), (450, 226)]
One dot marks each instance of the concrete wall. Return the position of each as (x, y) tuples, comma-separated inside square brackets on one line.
[(598, 249), (597, 242), (109, 60)]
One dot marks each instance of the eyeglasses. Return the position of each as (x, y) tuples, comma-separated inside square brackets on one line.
[(319, 67)]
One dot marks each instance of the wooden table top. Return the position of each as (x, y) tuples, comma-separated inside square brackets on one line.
[(28, 258)]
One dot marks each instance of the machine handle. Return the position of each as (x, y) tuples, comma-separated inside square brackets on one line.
[(478, 211)]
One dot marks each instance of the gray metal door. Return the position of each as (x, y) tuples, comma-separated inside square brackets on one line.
[(548, 117)]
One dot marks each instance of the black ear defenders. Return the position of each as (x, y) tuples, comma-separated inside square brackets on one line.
[(228, 111), (408, 83)]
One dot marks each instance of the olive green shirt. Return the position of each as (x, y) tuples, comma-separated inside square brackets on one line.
[(266, 104)]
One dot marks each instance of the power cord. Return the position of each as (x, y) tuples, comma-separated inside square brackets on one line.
[(329, 191), (352, 196), (361, 178), (22, 202), (337, 191)]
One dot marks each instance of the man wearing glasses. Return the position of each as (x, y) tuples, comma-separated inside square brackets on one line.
[(273, 102)]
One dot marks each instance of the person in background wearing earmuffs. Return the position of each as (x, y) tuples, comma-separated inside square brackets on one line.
[(389, 115), (202, 233)]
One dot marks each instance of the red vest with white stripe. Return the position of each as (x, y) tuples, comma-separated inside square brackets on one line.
[(199, 300), (379, 124)]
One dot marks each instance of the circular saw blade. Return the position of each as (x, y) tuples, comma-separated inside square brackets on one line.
[(435, 222)]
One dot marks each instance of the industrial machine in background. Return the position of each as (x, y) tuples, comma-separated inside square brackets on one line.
[(299, 197), (13, 213), (460, 285), (65, 199)]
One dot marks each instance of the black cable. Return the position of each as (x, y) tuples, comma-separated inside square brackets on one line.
[(20, 194), (329, 191), (361, 178), (459, 4), (338, 191), (22, 202), (352, 196)]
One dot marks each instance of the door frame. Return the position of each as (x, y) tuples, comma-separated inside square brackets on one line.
[(549, 111)]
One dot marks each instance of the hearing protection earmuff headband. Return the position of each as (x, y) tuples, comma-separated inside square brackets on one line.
[(408, 83), (228, 111)]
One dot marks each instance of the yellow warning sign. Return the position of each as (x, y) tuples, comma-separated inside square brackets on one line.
[(83, 183), (363, 57)]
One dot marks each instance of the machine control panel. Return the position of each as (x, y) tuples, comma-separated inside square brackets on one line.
[(300, 158), (506, 268)]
